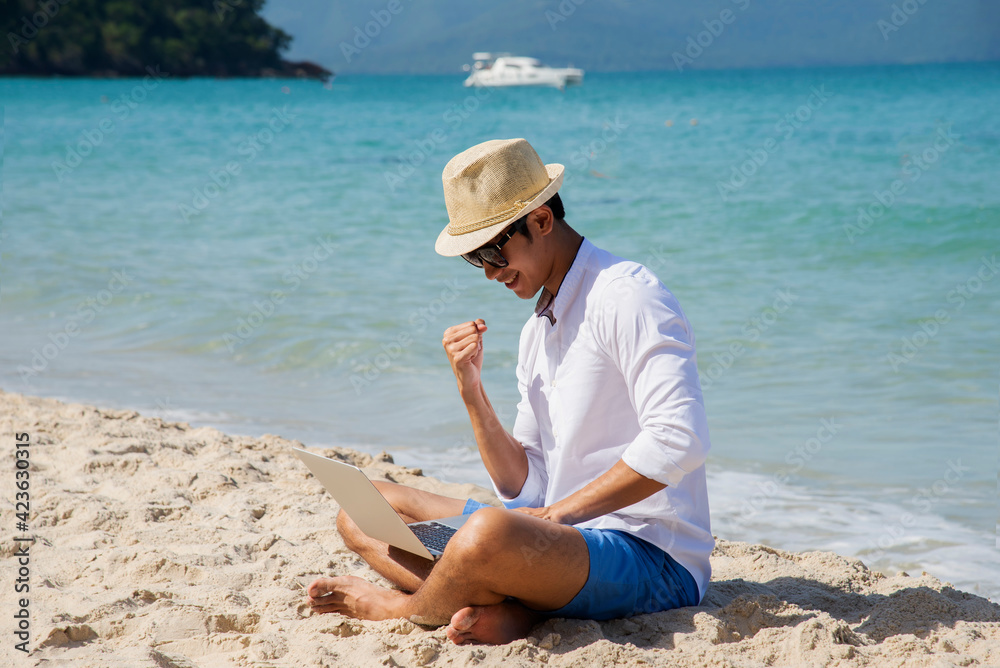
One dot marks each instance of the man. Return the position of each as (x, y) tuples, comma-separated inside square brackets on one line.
[(602, 478)]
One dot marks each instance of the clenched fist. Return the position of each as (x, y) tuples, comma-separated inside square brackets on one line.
[(464, 345)]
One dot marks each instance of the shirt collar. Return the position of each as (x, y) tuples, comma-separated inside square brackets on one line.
[(548, 304)]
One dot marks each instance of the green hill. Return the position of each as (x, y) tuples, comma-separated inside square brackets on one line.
[(122, 38)]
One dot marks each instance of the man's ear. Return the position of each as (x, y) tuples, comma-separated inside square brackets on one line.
[(543, 218)]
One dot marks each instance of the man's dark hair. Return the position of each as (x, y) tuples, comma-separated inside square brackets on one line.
[(558, 212), (555, 203)]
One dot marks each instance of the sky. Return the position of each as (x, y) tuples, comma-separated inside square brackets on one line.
[(402, 36)]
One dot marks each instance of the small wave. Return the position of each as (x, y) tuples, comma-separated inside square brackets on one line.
[(887, 536)]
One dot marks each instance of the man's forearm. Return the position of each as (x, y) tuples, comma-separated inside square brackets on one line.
[(502, 454), (617, 488)]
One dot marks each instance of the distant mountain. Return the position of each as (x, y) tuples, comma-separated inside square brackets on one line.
[(387, 36)]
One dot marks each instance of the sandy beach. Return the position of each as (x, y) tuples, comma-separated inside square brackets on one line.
[(160, 544)]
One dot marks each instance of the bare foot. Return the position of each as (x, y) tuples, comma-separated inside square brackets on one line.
[(354, 597), (494, 624)]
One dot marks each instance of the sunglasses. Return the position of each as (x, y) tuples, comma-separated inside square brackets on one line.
[(490, 253)]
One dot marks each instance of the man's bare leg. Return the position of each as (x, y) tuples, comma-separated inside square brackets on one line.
[(496, 555), (404, 569)]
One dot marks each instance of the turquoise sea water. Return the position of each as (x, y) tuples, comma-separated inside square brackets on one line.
[(258, 256)]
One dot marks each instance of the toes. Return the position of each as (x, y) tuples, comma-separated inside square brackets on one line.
[(465, 619), (319, 588), (456, 636), (325, 586), (319, 610)]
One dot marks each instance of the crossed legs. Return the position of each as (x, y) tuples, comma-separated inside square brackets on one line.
[(498, 555)]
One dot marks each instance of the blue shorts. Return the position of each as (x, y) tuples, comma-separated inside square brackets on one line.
[(628, 576)]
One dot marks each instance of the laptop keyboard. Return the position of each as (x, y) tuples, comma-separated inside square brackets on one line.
[(434, 535)]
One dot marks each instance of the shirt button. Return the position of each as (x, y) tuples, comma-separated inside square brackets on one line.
[(555, 432), (553, 382)]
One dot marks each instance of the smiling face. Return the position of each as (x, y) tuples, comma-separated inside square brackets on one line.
[(529, 261)]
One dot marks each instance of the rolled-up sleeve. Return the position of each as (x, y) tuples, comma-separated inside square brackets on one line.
[(642, 329), (527, 433)]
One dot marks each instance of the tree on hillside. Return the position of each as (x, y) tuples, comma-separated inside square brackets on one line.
[(123, 37)]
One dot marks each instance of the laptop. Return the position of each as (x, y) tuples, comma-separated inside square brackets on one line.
[(364, 504)]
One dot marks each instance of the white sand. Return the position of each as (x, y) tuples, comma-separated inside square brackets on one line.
[(163, 545)]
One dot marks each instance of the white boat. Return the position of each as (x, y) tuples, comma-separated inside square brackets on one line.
[(503, 69)]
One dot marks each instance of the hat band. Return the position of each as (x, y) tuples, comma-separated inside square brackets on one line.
[(458, 230)]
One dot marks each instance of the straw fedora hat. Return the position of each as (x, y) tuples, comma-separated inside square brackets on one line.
[(489, 186)]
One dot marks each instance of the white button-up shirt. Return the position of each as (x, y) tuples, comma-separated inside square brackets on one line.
[(609, 373)]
